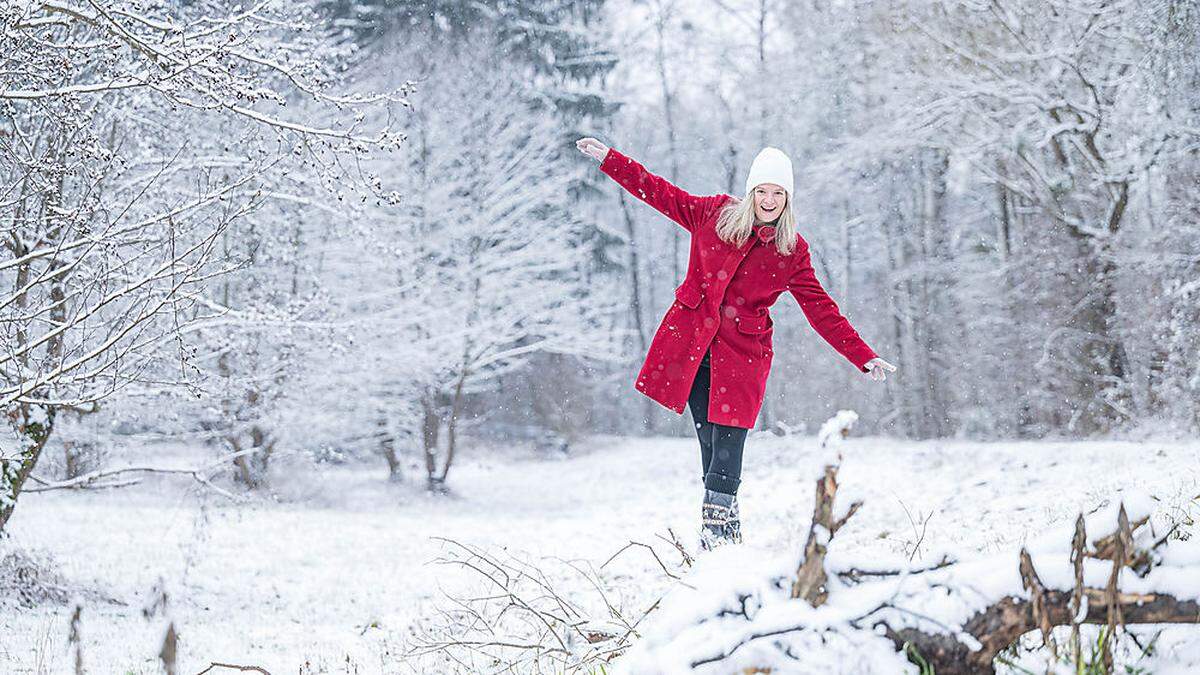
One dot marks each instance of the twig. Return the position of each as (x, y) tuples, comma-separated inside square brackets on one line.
[(688, 560), (855, 574), (233, 666), (648, 547), (91, 480), (481, 629), (920, 534)]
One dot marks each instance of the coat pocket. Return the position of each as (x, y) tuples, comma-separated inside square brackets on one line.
[(754, 323), (758, 327), (689, 296)]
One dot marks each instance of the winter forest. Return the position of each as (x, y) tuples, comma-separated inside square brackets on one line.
[(318, 337)]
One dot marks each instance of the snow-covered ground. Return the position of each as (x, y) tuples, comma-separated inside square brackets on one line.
[(329, 575)]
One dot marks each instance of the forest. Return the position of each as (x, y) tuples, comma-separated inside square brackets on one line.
[(344, 254)]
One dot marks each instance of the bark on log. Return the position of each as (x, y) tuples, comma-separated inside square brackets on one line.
[(1001, 624)]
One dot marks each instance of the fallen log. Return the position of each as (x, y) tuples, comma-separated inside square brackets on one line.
[(1002, 623), (955, 616)]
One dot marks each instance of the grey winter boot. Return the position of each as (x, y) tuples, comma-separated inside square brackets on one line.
[(720, 521)]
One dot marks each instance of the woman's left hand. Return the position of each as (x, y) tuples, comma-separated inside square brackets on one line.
[(876, 368), (592, 148)]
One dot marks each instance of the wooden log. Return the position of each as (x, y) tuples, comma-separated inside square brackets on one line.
[(1000, 625), (1003, 623)]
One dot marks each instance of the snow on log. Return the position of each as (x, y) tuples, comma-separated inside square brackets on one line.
[(736, 612)]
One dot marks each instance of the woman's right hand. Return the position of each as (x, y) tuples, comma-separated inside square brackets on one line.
[(592, 148)]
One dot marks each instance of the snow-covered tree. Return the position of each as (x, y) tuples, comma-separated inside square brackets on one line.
[(134, 136), (475, 272)]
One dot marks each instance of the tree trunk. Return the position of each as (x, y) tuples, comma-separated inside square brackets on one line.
[(896, 260), (663, 12), (31, 435), (431, 426), (452, 428), (635, 304), (387, 448)]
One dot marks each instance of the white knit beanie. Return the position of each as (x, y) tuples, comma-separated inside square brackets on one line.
[(770, 166)]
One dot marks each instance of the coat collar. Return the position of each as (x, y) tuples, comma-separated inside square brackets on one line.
[(765, 232)]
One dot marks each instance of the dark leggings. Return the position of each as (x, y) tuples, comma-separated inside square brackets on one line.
[(720, 445)]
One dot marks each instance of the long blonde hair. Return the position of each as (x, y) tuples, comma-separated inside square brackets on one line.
[(735, 224)]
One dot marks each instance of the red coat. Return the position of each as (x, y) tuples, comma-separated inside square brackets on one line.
[(723, 302)]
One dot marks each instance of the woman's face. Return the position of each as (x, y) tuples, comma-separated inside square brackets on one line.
[(769, 200)]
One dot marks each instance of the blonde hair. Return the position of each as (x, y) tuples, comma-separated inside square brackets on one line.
[(735, 224)]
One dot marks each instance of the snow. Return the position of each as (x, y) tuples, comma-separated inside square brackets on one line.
[(675, 641), (833, 428), (336, 568)]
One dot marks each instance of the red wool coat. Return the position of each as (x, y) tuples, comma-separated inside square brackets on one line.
[(724, 302)]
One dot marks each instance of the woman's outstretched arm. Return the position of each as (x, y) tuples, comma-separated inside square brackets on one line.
[(823, 313), (686, 209)]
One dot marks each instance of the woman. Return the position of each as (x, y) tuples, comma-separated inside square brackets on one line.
[(713, 350)]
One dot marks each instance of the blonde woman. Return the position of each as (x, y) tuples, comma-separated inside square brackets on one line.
[(712, 351)]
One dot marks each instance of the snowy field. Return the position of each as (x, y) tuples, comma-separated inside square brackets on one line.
[(330, 573)]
